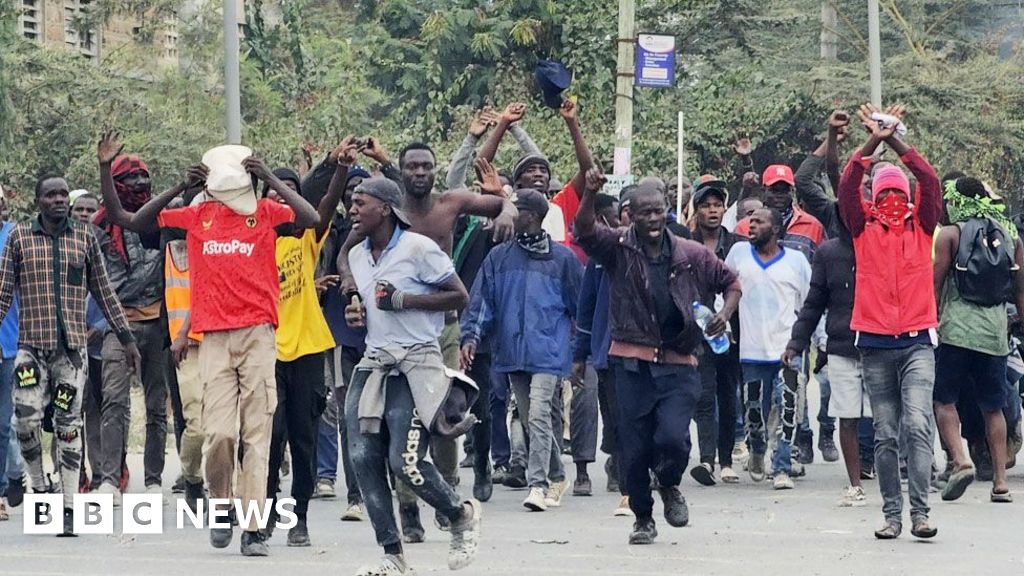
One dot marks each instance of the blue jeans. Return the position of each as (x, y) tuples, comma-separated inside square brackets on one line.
[(901, 383), (10, 450), (327, 450), (501, 447), (763, 387), (866, 441)]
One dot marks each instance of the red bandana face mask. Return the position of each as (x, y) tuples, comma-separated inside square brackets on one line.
[(893, 211)]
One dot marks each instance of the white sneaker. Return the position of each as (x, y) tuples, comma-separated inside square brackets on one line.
[(740, 453), (354, 513), (782, 481), (623, 511), (853, 496), (157, 489), (465, 539), (324, 489), (390, 565), (535, 501), (108, 488), (4, 514), (553, 499)]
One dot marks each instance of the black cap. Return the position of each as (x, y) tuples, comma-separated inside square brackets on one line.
[(710, 187), (532, 200)]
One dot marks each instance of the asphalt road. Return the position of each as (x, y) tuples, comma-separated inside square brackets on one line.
[(739, 529)]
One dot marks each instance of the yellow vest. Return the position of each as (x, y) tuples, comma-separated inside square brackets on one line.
[(177, 295)]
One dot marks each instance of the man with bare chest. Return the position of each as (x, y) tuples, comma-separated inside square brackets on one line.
[(434, 216)]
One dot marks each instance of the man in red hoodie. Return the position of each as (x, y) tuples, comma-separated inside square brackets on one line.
[(894, 313)]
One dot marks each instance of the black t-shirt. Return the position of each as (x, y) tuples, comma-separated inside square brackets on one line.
[(670, 319)]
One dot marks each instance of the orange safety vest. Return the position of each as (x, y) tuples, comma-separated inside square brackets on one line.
[(177, 296)]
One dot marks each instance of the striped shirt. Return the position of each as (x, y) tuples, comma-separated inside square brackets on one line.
[(52, 275)]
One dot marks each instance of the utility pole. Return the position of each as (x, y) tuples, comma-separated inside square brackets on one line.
[(624, 89), (233, 120), (829, 43), (875, 53)]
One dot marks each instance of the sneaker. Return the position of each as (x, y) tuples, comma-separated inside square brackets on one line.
[(465, 538), (704, 474), (729, 476), (516, 477), (221, 537), (535, 501), (179, 486), (298, 535), (922, 529), (582, 487), (69, 525), (16, 491), (623, 510), (194, 494), (499, 475), (853, 497), (390, 565), (108, 488), (797, 470), (644, 532), (958, 483), (827, 447), (890, 531), (412, 530), (254, 545), (740, 453), (467, 462), (755, 465), (483, 484), (553, 498), (782, 481), (804, 449), (324, 489), (4, 514), (354, 513), (677, 514), (867, 471), (155, 489), (442, 522), (611, 471)]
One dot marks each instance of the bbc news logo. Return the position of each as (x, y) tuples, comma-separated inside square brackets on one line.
[(144, 513)]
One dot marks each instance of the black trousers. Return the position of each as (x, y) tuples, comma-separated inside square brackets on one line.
[(301, 398), (481, 434), (716, 410)]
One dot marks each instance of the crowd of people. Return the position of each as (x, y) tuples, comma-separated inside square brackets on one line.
[(373, 317)]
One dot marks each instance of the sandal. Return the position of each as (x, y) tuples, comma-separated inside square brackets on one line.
[(922, 529), (729, 476), (958, 483), (890, 531), (1001, 497)]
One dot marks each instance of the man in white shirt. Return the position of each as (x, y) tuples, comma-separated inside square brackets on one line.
[(775, 282)]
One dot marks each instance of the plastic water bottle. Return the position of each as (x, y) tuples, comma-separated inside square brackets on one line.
[(703, 315)]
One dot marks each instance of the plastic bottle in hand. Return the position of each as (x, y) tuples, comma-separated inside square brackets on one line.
[(703, 315)]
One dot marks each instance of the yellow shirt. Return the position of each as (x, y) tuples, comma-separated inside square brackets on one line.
[(302, 329)]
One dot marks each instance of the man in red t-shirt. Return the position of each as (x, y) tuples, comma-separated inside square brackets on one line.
[(231, 242)]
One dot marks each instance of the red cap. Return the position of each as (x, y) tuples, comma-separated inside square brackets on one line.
[(778, 173)]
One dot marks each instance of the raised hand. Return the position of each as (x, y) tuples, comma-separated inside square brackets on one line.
[(375, 151), (568, 109), (482, 121), (838, 120), (345, 152), (742, 146), (257, 167), (595, 179), (514, 112), (109, 147), (872, 126), (487, 178), (195, 176)]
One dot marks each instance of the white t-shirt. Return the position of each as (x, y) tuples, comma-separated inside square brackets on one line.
[(554, 223), (729, 218), (773, 293), (414, 264)]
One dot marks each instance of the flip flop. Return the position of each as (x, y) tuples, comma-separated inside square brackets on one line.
[(1001, 497), (729, 476), (958, 483)]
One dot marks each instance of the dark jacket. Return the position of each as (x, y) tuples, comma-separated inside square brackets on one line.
[(593, 336), (726, 240), (811, 194), (139, 282), (833, 275), (526, 302), (695, 276)]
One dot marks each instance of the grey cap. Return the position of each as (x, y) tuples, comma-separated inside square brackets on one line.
[(532, 200), (387, 192)]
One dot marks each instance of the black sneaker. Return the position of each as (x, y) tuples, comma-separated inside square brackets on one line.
[(611, 470), (467, 462), (254, 545), (221, 537), (179, 486), (298, 536), (805, 449), (69, 525), (194, 494), (867, 471), (268, 532), (644, 532), (499, 475), (827, 446), (412, 530), (483, 484), (16, 492), (677, 514), (516, 477)]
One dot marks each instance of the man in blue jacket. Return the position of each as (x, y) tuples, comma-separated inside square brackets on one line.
[(524, 301)]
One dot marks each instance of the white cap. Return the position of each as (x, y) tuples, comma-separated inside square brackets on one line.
[(228, 182)]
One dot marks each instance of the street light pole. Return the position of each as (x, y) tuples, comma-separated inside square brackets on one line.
[(875, 53), (624, 89), (233, 120)]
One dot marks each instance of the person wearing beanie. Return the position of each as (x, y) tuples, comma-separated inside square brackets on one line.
[(894, 313), (973, 347)]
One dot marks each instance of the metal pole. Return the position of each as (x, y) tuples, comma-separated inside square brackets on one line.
[(233, 120), (680, 161), (875, 53), (624, 90)]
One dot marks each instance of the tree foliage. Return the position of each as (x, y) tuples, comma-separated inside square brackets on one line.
[(403, 70)]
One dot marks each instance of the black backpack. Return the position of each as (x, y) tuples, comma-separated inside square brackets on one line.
[(985, 263)]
